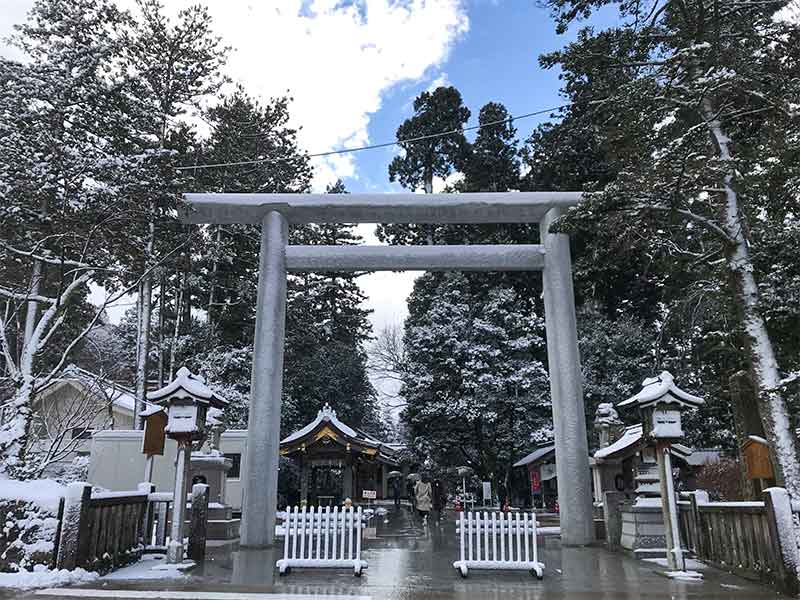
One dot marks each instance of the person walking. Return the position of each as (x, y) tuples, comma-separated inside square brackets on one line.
[(424, 498), (439, 500)]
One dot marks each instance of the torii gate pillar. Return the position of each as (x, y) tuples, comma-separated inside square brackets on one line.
[(566, 388), (264, 420)]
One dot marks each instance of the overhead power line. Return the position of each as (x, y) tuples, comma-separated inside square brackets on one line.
[(382, 145)]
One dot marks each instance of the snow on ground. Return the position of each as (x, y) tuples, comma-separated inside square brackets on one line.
[(143, 569), (45, 493), (43, 577), (691, 564)]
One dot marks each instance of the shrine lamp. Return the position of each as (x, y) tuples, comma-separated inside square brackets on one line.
[(187, 398), (661, 403)]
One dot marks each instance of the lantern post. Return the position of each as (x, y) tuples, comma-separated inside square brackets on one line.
[(661, 403), (188, 400)]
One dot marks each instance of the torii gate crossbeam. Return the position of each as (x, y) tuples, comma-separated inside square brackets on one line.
[(552, 256)]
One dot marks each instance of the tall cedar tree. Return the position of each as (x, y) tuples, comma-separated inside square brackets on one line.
[(175, 65), (475, 386), (439, 111)]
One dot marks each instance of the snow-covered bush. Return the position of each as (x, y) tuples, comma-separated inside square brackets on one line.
[(29, 520), (77, 470)]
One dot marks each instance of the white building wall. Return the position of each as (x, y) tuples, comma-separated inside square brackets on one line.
[(117, 463)]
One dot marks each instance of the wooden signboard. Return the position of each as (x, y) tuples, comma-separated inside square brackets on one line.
[(154, 434), (756, 455)]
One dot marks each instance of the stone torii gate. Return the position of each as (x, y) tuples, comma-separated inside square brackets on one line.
[(552, 256)]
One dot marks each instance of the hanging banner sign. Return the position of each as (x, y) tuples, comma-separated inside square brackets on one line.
[(487, 491), (536, 479)]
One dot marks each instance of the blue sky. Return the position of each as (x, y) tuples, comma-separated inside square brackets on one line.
[(497, 60)]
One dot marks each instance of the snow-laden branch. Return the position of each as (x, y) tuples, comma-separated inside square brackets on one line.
[(12, 295), (50, 260), (707, 223), (6, 349), (98, 313)]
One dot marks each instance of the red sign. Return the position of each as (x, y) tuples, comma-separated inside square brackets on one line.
[(536, 479)]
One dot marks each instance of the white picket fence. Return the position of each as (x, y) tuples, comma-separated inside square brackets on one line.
[(321, 537), (498, 541)]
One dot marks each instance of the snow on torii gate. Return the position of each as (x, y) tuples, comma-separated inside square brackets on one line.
[(275, 211)]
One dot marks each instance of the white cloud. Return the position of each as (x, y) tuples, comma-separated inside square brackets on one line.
[(335, 59), (441, 80)]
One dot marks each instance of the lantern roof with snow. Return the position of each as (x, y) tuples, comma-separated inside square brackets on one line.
[(662, 390), (187, 386)]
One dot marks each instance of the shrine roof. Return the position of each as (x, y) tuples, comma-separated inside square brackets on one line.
[(662, 386), (631, 439), (327, 418), (536, 455)]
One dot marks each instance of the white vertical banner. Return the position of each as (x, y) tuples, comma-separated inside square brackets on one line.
[(487, 492)]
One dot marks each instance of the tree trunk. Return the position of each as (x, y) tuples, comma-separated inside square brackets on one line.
[(33, 306), (16, 430), (146, 300), (772, 404), (176, 333), (186, 318), (212, 283), (161, 306)]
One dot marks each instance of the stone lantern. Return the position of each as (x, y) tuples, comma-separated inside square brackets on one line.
[(187, 399), (660, 404)]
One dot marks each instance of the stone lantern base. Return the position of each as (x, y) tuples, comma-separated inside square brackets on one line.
[(643, 530), (212, 469)]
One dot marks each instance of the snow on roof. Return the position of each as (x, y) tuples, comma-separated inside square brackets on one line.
[(120, 396), (327, 414), (630, 436), (655, 388), (758, 439), (535, 455), (186, 384), (633, 435), (706, 456)]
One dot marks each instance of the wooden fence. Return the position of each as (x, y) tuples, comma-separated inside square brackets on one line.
[(102, 532), (756, 540)]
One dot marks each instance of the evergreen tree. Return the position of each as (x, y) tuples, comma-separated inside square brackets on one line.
[(174, 66), (492, 164), (327, 330), (439, 111), (475, 386), (699, 112), (243, 129)]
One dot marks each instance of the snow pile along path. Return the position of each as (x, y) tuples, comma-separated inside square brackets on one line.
[(43, 577), (143, 569)]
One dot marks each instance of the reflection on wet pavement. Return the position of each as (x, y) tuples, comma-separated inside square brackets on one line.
[(409, 561)]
